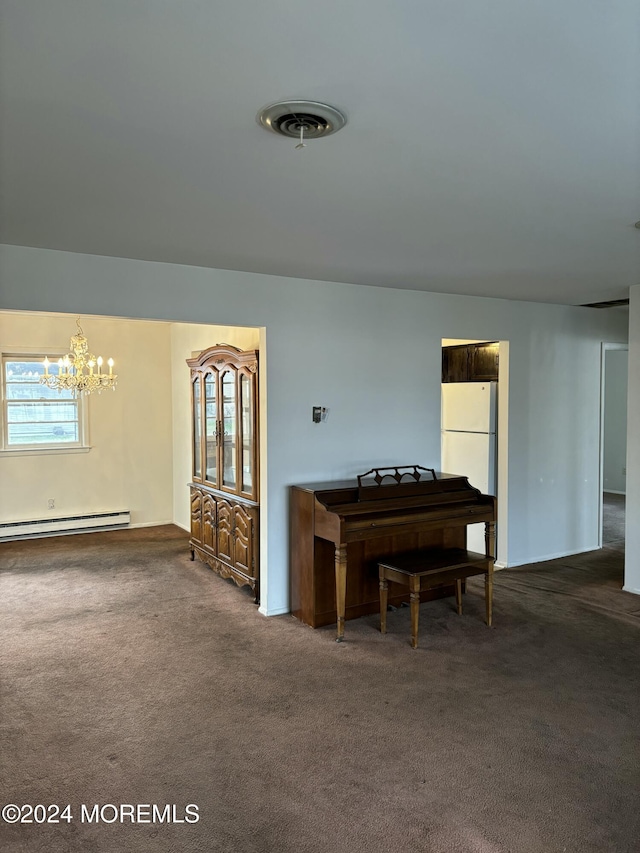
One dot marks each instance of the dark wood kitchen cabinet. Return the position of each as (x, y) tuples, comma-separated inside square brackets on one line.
[(470, 363)]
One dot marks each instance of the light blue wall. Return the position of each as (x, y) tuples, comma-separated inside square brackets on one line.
[(373, 356)]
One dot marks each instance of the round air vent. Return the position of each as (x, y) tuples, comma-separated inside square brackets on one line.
[(289, 118)]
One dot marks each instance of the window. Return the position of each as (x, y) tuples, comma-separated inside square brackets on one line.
[(36, 417)]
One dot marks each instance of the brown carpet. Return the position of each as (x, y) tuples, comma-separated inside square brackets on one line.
[(613, 519), (132, 675)]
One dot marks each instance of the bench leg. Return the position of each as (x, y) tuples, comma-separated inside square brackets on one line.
[(459, 596), (414, 599), (488, 595), (384, 593)]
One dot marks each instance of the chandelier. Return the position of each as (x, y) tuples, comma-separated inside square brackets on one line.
[(79, 371)]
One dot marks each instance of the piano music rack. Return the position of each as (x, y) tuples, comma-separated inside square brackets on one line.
[(403, 481)]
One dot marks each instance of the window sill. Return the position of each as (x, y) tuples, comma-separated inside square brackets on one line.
[(42, 451)]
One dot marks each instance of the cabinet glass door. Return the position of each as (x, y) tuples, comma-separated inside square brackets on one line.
[(229, 429), (197, 427), (210, 427), (246, 409)]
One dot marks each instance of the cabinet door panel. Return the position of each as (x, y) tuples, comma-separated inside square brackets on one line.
[(229, 429), (209, 522), (247, 437), (484, 362), (243, 540), (225, 531), (455, 364), (197, 429), (196, 515), (210, 428)]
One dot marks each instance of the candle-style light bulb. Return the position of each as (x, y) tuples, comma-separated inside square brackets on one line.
[(99, 365), (46, 366), (90, 366), (110, 363)]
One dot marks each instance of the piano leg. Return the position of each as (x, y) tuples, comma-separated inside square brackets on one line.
[(341, 588), (414, 601), (490, 539), (384, 596), (490, 551), (488, 594), (459, 596)]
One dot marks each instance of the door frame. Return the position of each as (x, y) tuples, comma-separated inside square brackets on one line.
[(502, 539), (604, 349)]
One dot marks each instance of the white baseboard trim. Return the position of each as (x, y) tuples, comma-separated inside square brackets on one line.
[(613, 492), (150, 524), (549, 557), (631, 589), (279, 611), (65, 525)]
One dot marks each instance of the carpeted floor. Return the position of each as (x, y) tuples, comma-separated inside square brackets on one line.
[(613, 517), (131, 675)]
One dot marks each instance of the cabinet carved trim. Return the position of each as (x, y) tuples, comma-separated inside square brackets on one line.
[(224, 491)]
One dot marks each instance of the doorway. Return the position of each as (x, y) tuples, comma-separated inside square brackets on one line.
[(484, 361), (146, 470), (613, 444)]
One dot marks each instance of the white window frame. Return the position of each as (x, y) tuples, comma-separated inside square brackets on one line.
[(80, 446)]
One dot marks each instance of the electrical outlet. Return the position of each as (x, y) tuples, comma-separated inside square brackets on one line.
[(51, 503)]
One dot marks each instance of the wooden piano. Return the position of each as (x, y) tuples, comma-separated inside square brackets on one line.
[(339, 531)]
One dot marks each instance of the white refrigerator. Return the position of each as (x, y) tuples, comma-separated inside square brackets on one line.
[(469, 440)]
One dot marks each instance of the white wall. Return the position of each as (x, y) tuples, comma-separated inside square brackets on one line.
[(615, 420), (632, 528), (129, 464), (373, 356), (187, 339)]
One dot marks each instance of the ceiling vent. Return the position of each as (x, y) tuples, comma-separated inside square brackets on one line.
[(301, 119), (613, 303)]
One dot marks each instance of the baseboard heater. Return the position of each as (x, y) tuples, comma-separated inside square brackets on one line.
[(64, 526)]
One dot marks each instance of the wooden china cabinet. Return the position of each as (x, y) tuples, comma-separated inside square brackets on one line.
[(225, 518)]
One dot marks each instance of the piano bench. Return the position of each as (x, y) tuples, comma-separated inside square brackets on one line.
[(429, 568)]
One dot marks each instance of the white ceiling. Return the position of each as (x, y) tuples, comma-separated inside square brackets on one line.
[(492, 146)]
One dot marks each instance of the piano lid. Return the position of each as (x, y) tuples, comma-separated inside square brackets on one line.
[(390, 484)]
